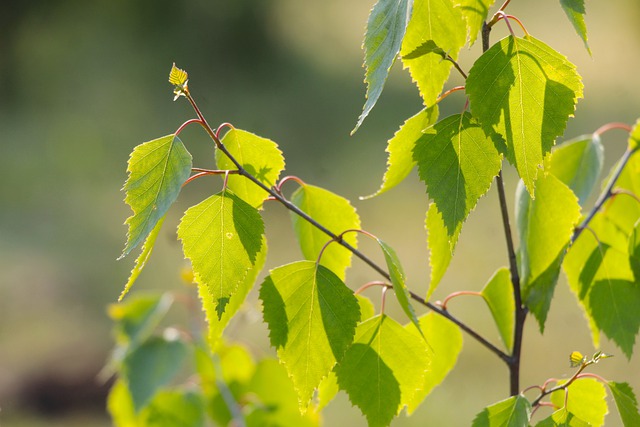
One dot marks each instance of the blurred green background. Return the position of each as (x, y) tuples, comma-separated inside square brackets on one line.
[(82, 83)]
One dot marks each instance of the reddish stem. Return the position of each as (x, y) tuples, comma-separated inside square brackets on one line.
[(222, 126), (383, 299), (370, 285), (278, 186), (458, 294), (449, 92), (610, 126), (204, 172), (185, 124)]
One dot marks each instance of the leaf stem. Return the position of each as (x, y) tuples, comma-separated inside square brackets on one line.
[(185, 124), (449, 297), (370, 285), (449, 92), (610, 126), (605, 195)]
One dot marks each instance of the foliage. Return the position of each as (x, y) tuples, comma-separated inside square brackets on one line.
[(328, 338)]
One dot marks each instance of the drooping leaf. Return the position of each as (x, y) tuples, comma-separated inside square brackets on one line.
[(398, 280), (626, 403), (586, 400), (142, 259), (383, 369), (157, 169), (333, 212), (562, 418), (173, 408), (634, 136), (216, 324), (433, 23), (222, 236), (512, 412), (136, 319), (634, 251), (440, 248), (312, 317), (526, 92), (277, 403), (150, 366), (575, 12), (578, 163), (613, 305), (400, 148), (386, 27), (444, 340), (457, 161), (545, 226), (258, 156), (498, 294), (475, 13)]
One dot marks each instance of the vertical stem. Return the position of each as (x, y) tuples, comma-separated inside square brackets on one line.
[(513, 362)]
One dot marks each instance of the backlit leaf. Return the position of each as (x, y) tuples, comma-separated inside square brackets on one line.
[(562, 418), (400, 148), (444, 340), (526, 92), (151, 366), (216, 325), (398, 280), (333, 212), (385, 30), (575, 12), (578, 163), (222, 237), (587, 400), (545, 226), (312, 317), (177, 77), (634, 250), (142, 259), (576, 359), (475, 13), (258, 156), (626, 403), (383, 369), (157, 169), (457, 161), (512, 412), (366, 307), (634, 137), (434, 23), (440, 248), (498, 294), (174, 408)]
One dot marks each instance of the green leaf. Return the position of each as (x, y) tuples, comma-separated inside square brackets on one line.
[(440, 248), (445, 344), (216, 325), (475, 13), (614, 305), (136, 319), (151, 366), (578, 163), (498, 294), (398, 280), (586, 400), (575, 12), (383, 369), (545, 226), (120, 405), (526, 92), (433, 23), (327, 390), (385, 30), (512, 412), (634, 250), (277, 403), (258, 156), (174, 408), (222, 237), (157, 169), (312, 317), (366, 307), (142, 259), (333, 212), (400, 148), (634, 136), (626, 403), (457, 161), (562, 418)]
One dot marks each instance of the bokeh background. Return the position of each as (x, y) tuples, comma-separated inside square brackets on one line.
[(82, 83)]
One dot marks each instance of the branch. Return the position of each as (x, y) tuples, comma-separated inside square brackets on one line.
[(293, 208)]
